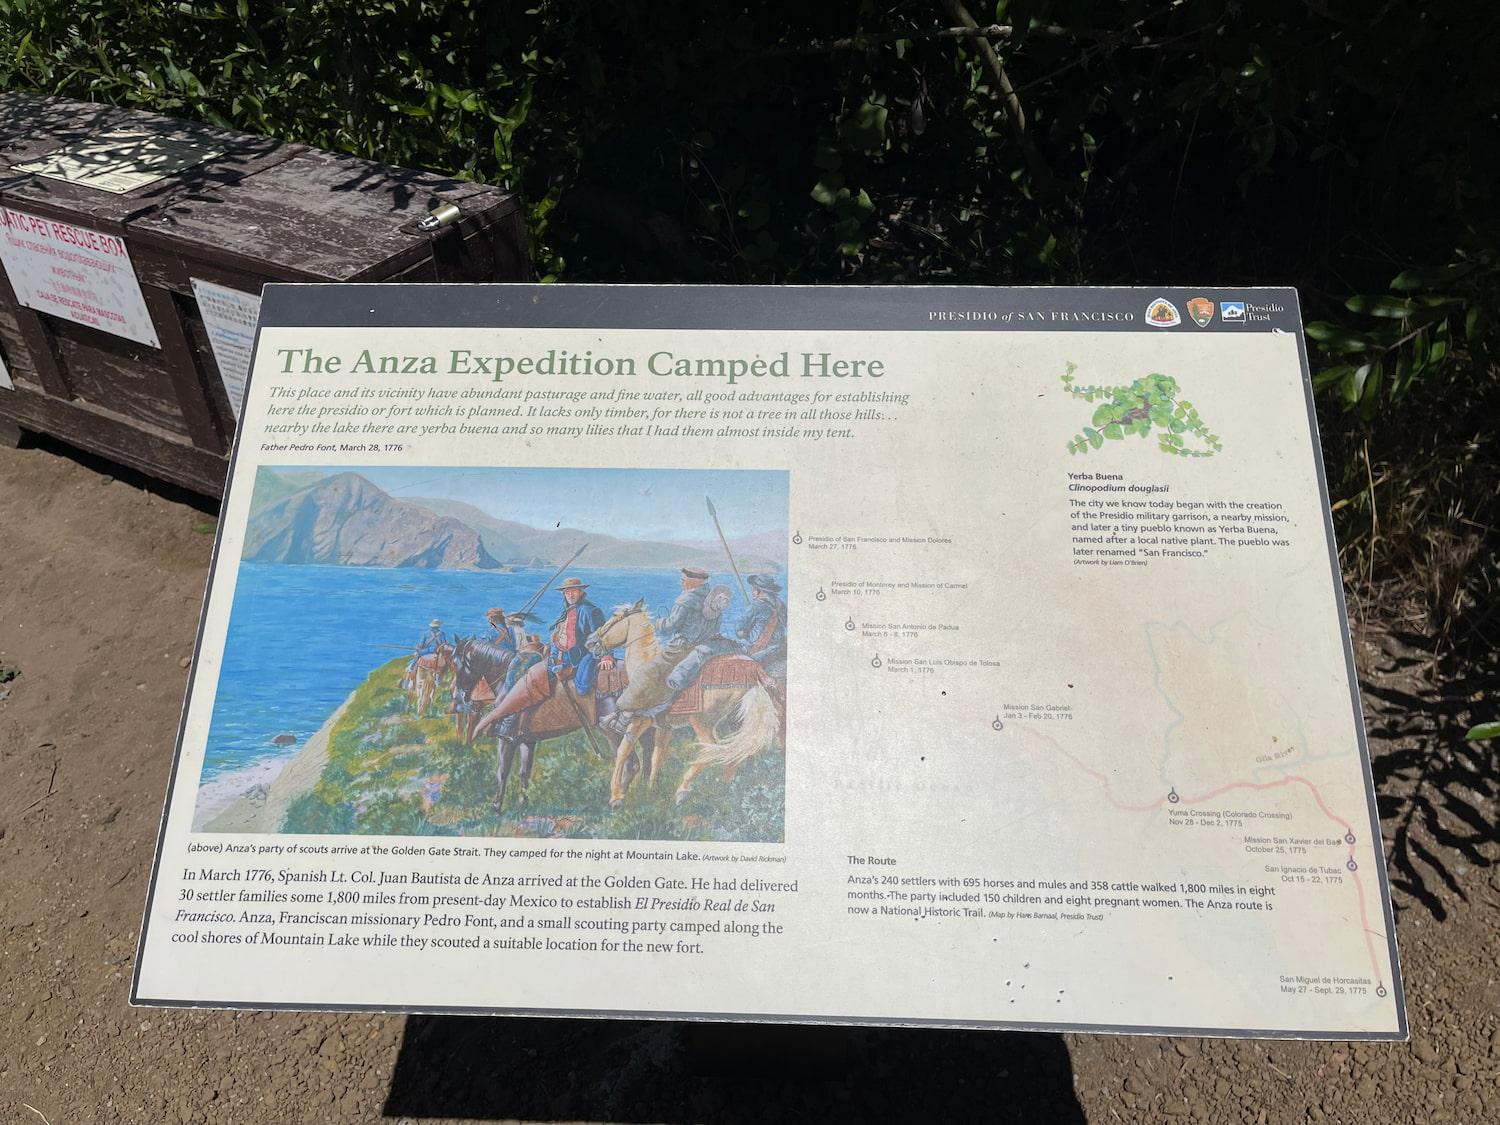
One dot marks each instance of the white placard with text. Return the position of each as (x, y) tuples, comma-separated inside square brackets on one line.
[(74, 273), (229, 316)]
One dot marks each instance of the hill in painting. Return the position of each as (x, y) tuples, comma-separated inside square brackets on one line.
[(312, 516)]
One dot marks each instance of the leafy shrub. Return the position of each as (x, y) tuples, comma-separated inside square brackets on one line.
[(850, 140), (1331, 146)]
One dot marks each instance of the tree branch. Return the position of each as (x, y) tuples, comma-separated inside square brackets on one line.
[(1015, 116), (861, 42)]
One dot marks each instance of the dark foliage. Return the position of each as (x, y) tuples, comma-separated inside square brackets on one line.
[(1324, 144)]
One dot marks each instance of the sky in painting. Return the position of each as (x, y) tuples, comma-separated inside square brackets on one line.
[(629, 503)]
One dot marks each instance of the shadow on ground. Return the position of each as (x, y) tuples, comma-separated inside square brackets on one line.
[(632, 1071), (110, 471), (1438, 792)]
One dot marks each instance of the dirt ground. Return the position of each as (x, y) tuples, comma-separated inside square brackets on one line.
[(100, 581)]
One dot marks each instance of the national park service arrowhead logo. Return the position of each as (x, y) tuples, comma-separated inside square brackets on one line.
[(1201, 309), (1162, 313)]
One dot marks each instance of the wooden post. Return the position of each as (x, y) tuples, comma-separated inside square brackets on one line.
[(39, 343), (189, 379)]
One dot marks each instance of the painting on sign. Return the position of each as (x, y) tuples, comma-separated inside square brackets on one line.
[(505, 652)]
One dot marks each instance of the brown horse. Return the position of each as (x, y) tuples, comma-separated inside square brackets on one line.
[(756, 716), (546, 707), (479, 670)]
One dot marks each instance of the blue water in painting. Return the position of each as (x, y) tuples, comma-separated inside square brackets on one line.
[(301, 638)]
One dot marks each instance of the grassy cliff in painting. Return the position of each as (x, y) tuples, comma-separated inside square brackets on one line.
[(385, 771)]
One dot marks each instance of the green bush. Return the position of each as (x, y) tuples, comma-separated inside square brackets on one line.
[(1331, 146), (1199, 140)]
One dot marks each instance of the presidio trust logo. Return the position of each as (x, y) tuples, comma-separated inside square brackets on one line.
[(1249, 312)]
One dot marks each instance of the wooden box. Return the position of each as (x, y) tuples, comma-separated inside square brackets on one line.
[(259, 210)]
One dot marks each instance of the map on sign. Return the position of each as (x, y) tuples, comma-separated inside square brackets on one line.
[(686, 652)]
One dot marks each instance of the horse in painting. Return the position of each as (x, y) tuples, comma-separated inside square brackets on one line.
[(426, 677), (543, 707), (731, 687), (479, 670)]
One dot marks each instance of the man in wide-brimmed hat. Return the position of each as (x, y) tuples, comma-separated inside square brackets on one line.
[(763, 629), (693, 622), (429, 644), (571, 659)]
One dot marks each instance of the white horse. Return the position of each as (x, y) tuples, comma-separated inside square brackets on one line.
[(757, 721)]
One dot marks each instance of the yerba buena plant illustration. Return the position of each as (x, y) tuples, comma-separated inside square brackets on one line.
[(1145, 406)]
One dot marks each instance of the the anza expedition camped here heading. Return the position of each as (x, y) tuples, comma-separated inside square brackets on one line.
[(561, 361)]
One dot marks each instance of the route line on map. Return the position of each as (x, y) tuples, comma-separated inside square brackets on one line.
[(1174, 798)]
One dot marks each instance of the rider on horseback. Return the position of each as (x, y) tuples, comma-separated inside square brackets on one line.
[(571, 659), (431, 641), (763, 629), (710, 643), (570, 666), (488, 667), (529, 651), (511, 637), (690, 632), (529, 647), (503, 638)]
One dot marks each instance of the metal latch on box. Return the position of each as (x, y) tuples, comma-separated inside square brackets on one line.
[(439, 215)]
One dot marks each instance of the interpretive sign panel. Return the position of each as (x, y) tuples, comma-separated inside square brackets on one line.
[(930, 656)]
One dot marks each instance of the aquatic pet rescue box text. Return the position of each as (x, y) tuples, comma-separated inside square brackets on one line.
[(134, 248)]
